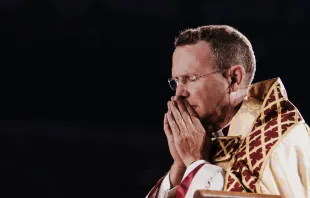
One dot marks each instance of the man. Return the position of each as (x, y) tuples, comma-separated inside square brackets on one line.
[(225, 133)]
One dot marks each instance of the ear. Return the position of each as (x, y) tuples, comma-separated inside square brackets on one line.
[(236, 77)]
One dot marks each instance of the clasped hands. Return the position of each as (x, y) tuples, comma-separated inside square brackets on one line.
[(187, 138)]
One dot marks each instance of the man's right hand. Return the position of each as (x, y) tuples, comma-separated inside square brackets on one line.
[(178, 168)]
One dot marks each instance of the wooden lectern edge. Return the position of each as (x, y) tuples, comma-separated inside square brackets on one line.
[(226, 194)]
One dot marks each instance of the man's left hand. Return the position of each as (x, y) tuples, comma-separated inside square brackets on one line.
[(191, 140)]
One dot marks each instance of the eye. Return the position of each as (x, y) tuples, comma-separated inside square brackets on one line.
[(192, 78)]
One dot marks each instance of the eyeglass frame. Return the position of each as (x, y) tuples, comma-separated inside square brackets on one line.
[(185, 78)]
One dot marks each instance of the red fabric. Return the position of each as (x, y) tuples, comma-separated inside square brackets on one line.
[(157, 186), (184, 185)]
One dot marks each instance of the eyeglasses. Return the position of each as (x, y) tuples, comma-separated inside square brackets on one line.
[(173, 82)]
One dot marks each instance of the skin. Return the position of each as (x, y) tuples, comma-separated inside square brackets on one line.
[(200, 107)]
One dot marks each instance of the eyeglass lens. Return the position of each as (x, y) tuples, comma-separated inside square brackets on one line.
[(173, 84)]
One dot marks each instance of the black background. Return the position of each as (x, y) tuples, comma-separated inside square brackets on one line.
[(84, 86)]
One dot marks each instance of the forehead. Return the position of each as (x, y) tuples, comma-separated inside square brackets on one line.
[(194, 58)]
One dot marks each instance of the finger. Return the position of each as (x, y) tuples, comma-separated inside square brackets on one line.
[(177, 117), (190, 109), (167, 128), (173, 125), (183, 111), (169, 110), (168, 105), (193, 114), (180, 105)]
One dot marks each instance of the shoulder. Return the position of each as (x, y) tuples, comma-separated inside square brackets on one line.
[(287, 161), (297, 136)]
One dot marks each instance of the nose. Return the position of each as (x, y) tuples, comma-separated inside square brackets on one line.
[(181, 92)]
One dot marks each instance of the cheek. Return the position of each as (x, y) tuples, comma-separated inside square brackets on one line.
[(199, 97), (203, 98), (200, 92)]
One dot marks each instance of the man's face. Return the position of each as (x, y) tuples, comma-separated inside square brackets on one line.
[(208, 95)]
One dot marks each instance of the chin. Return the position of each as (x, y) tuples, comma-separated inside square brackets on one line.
[(205, 118), (199, 115)]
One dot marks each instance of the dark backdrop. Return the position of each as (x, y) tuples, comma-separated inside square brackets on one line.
[(84, 86)]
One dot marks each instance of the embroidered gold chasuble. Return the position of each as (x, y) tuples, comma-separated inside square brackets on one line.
[(267, 148)]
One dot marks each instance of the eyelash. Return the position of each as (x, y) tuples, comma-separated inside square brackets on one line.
[(191, 78)]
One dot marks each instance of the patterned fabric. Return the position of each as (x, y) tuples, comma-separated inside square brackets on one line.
[(277, 115), (224, 148)]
